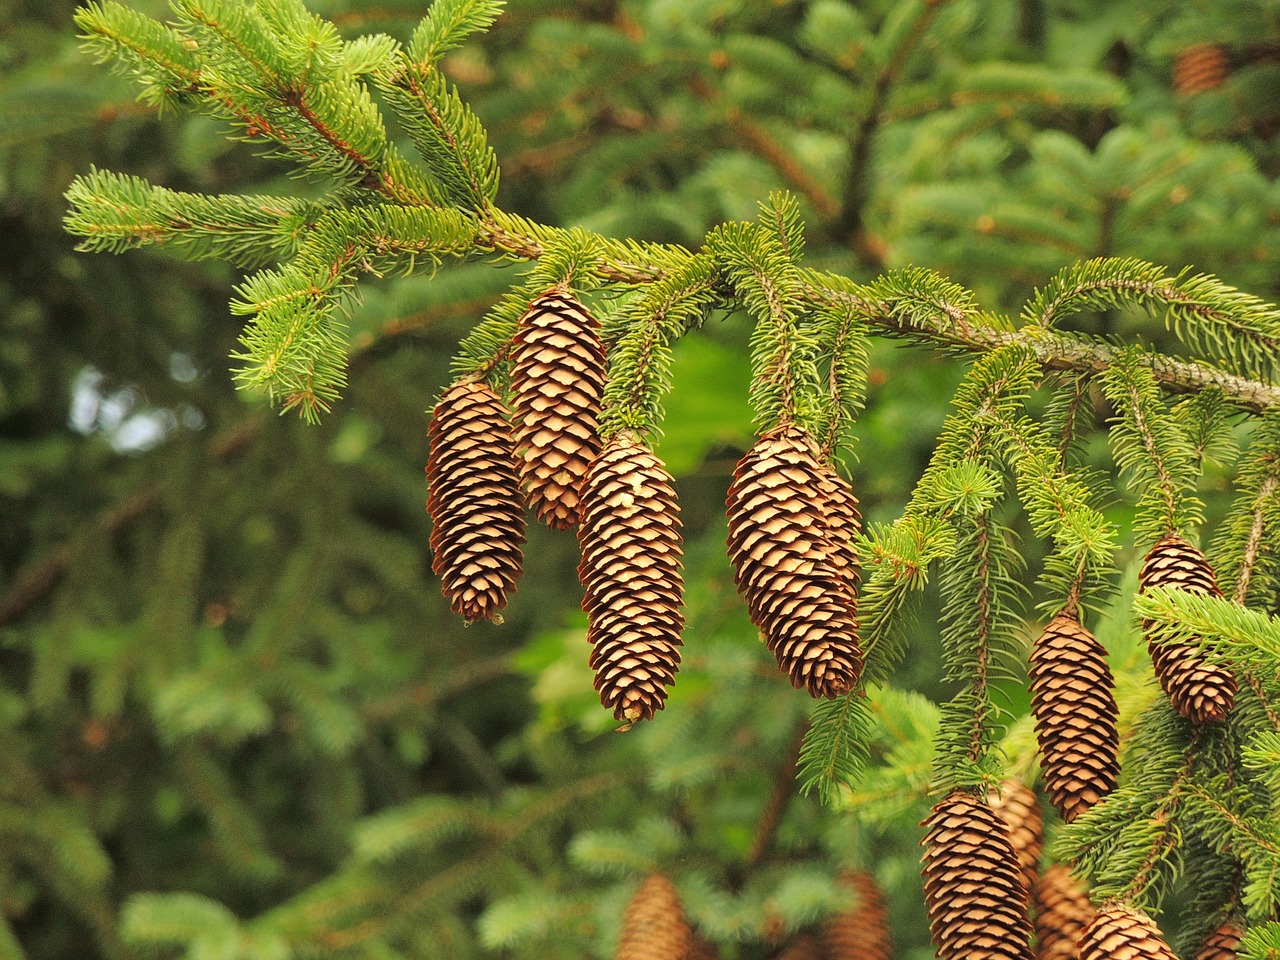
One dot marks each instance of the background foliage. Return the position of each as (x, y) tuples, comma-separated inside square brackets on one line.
[(238, 720)]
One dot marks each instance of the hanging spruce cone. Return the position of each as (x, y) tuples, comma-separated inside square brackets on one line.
[(474, 500), (653, 926), (631, 573), (1201, 691), (972, 884), (557, 381), (1063, 910), (861, 933), (1222, 944), (1015, 803), (1199, 68), (792, 556), (1121, 932), (1074, 706)]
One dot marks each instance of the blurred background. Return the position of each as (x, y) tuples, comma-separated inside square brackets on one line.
[(236, 717)]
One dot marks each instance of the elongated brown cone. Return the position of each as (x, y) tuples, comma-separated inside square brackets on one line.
[(1063, 910), (1121, 932), (792, 557), (972, 884), (1201, 691), (1204, 66), (557, 381), (862, 932), (1073, 702), (1016, 804), (631, 574), (1222, 944), (474, 500), (653, 926)]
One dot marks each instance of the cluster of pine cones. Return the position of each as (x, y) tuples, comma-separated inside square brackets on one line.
[(792, 519)]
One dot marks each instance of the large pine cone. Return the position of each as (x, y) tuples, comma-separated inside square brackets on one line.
[(1074, 706), (653, 926), (1063, 910), (1121, 932), (791, 548), (474, 500), (557, 382), (973, 886), (1016, 804), (861, 933), (1201, 691), (631, 572), (1222, 944)]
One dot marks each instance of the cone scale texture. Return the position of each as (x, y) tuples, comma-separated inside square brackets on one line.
[(477, 516), (1073, 702), (557, 381), (632, 577), (653, 925), (1221, 944), (790, 543), (1202, 67), (973, 887), (1201, 691), (1121, 932), (1017, 806), (1063, 910), (861, 933)]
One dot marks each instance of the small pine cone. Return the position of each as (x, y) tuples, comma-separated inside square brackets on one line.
[(972, 884), (557, 381), (1073, 701), (1201, 691), (1063, 910), (791, 566), (803, 946), (1222, 944), (631, 574), (1202, 67), (1016, 804), (861, 933), (1121, 932), (653, 926), (477, 517)]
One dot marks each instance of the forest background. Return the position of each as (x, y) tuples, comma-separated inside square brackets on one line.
[(237, 718)]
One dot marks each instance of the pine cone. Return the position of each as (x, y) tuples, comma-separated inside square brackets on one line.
[(557, 381), (1222, 944), (861, 933), (1121, 932), (631, 573), (972, 884), (1063, 910), (1202, 67), (653, 926), (1074, 706), (1201, 691), (474, 500), (792, 558), (1016, 804)]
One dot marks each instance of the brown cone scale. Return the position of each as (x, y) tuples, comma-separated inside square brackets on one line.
[(1222, 944), (653, 925), (557, 382), (1063, 910), (1202, 67), (1015, 803), (791, 549), (1073, 702), (1201, 691), (1121, 932), (973, 886), (477, 516), (861, 933), (632, 577)]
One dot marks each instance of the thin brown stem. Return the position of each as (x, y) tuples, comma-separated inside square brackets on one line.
[(784, 783)]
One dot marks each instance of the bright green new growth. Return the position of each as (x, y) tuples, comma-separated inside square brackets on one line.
[(285, 79)]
